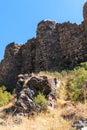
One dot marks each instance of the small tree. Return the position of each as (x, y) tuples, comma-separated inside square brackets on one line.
[(40, 102)]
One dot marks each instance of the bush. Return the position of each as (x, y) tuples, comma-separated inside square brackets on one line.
[(76, 82), (4, 95), (40, 102), (84, 65)]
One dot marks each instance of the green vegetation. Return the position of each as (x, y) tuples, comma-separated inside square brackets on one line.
[(73, 84), (84, 65), (76, 83), (4, 95), (40, 102), (73, 81)]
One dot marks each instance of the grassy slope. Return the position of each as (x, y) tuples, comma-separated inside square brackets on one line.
[(51, 120)]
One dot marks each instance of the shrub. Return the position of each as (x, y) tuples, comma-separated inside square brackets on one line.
[(40, 102), (76, 83), (84, 65), (4, 96)]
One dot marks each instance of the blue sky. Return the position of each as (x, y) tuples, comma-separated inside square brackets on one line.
[(19, 18)]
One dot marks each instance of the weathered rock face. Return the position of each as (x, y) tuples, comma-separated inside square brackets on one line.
[(28, 52), (29, 86), (55, 45), (48, 45), (11, 65), (60, 44)]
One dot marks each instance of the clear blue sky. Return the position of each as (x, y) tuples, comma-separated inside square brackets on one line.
[(19, 18)]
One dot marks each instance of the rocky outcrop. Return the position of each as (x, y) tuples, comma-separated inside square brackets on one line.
[(56, 45), (60, 45), (28, 87), (11, 65), (28, 52), (80, 124)]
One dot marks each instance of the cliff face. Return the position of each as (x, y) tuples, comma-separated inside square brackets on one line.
[(10, 66), (60, 44), (55, 45)]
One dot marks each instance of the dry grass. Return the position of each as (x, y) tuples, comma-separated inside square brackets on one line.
[(51, 120), (43, 121)]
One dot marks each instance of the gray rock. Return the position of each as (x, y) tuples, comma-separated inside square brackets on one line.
[(80, 124), (30, 87)]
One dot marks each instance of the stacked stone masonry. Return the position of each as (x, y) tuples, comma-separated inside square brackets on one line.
[(56, 45)]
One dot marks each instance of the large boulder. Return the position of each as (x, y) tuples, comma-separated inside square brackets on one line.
[(29, 86)]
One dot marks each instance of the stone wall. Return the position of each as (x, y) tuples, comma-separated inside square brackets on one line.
[(56, 45)]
